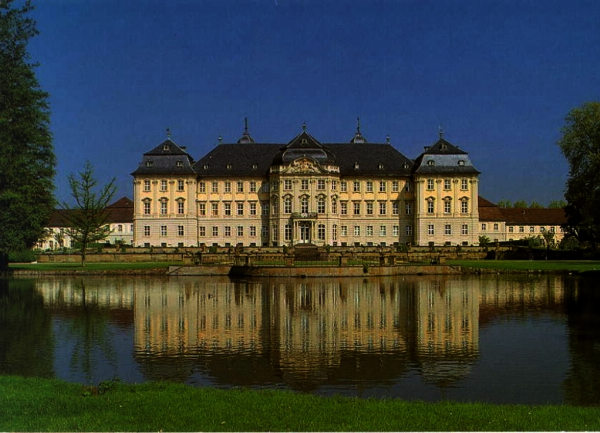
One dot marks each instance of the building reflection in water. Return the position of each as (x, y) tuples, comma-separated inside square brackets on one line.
[(303, 333)]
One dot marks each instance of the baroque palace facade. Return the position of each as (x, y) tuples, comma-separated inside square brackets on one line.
[(305, 191)]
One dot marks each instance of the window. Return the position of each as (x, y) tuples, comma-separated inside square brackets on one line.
[(227, 231), (382, 208), (227, 187), (447, 184), (395, 208), (344, 186), (357, 208), (304, 185), (265, 231), (275, 185), (408, 208), (531, 229), (448, 229), (334, 207), (240, 186), (321, 205), (275, 232), (430, 206), (287, 205), (356, 230), (252, 208), (287, 232), (287, 185), (180, 185), (264, 208), (275, 207), (334, 232), (146, 208), (202, 231), (304, 205), (430, 184), (431, 229), (382, 230), (202, 187), (146, 230), (321, 184), (369, 230), (344, 230), (180, 207), (214, 209), (495, 226), (407, 186), (163, 230), (465, 229), (552, 229), (447, 206), (483, 227), (511, 229), (344, 208), (146, 185), (180, 231), (395, 186), (464, 184), (252, 186), (240, 208), (321, 232), (382, 186), (227, 209), (240, 231), (356, 186), (163, 185), (253, 231), (464, 206), (215, 231), (369, 186), (215, 187), (521, 229), (369, 208), (333, 185), (408, 230), (163, 207)]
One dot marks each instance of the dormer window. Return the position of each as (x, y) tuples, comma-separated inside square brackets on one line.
[(229, 166), (205, 166), (405, 165), (356, 166), (254, 166), (179, 163), (431, 162), (149, 163), (304, 141), (380, 166), (444, 146), (461, 162), (165, 147)]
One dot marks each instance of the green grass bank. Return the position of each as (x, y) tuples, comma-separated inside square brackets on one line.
[(527, 265), (29, 404)]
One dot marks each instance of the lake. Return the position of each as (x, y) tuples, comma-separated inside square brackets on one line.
[(498, 339)]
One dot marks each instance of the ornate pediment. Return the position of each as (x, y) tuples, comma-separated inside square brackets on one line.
[(304, 165)]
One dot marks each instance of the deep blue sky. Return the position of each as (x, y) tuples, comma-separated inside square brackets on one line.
[(498, 76)]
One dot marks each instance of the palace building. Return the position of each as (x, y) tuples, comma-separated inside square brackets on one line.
[(305, 191)]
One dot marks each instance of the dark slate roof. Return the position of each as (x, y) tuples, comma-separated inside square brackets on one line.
[(444, 157), (120, 211), (529, 216), (305, 145), (237, 159), (367, 159), (166, 158)]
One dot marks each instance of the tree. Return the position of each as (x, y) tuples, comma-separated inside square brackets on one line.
[(87, 221), (535, 205), (27, 161), (557, 204), (580, 144), (505, 204), (520, 204)]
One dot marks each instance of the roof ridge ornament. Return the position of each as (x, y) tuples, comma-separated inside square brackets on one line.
[(168, 133), (303, 126), (441, 132)]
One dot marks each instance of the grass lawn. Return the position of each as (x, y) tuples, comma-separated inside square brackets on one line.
[(91, 266), (536, 265), (28, 404)]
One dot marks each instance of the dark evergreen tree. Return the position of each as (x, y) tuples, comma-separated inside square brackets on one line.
[(580, 144), (27, 161)]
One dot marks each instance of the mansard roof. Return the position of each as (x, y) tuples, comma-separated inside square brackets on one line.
[(370, 159), (237, 159), (444, 158), (304, 145), (166, 158)]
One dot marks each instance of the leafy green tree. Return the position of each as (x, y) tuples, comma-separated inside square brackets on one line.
[(87, 221), (580, 144), (484, 240), (520, 204), (535, 205), (27, 161), (557, 204), (505, 204)]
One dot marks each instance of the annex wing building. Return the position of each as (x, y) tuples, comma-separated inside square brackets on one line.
[(304, 191)]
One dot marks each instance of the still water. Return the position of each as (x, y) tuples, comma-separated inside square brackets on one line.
[(498, 339)]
